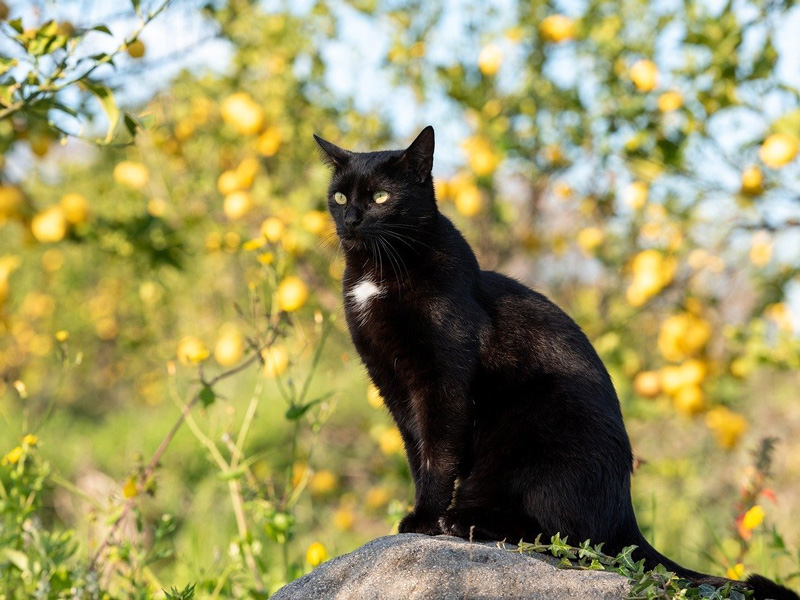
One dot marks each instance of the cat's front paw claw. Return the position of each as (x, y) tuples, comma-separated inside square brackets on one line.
[(420, 523), (456, 523)]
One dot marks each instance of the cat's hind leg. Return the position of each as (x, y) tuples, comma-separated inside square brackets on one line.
[(485, 523)]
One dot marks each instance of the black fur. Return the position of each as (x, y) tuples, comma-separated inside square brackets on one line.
[(510, 421)]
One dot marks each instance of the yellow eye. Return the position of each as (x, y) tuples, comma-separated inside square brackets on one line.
[(340, 198), (380, 197)]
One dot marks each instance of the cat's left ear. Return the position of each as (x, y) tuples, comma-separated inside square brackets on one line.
[(420, 154), (332, 154)]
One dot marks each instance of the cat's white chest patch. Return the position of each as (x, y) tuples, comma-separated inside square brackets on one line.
[(364, 291)]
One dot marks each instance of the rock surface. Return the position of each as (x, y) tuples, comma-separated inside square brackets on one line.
[(413, 566)]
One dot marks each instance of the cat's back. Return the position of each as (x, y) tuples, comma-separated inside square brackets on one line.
[(528, 328)]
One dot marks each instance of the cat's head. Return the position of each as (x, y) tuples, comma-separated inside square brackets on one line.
[(384, 195)]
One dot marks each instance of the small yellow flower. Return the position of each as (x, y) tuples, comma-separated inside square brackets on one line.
[(343, 519), (377, 497), (374, 398), (192, 350), (753, 517), (13, 456), (316, 554), (62, 335), (391, 442), (129, 490), (323, 483), (30, 440), (735, 572)]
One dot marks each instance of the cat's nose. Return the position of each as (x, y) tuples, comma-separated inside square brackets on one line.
[(352, 218)]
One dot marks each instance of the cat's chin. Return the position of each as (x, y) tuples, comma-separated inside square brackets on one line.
[(427, 524)]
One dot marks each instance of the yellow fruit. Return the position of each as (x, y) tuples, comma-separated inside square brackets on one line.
[(557, 28), (292, 294), (391, 442), (481, 156), (11, 201), (276, 361), (490, 59), (241, 112), (191, 350), (761, 249), (374, 398), (778, 150), (75, 207), (40, 144), (247, 171), (689, 401), (323, 483), (635, 195), (752, 181), (468, 200), (136, 49), (50, 225), (272, 229), (726, 425), (670, 101), (589, 239), (269, 142), (683, 335), (229, 348), (652, 271), (132, 174), (644, 75), (228, 183), (316, 554), (237, 205), (647, 384)]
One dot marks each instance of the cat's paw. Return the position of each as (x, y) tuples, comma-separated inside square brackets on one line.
[(425, 523), (457, 523)]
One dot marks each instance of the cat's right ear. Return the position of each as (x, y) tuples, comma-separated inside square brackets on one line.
[(332, 154)]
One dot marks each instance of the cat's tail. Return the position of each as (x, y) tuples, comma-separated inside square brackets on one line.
[(762, 587)]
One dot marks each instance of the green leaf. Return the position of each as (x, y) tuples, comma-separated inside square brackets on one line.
[(16, 25), (102, 29), (6, 64), (16, 558), (297, 411), (207, 396), (788, 124), (106, 99)]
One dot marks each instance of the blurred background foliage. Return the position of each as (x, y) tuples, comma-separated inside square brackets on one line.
[(180, 401)]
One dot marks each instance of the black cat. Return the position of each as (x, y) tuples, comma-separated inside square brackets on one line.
[(509, 418)]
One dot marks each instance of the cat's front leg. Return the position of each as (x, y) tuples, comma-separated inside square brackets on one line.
[(443, 417)]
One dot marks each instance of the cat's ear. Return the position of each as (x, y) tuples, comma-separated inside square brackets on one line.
[(332, 154), (419, 154)]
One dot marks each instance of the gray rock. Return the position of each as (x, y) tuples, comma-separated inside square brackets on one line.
[(413, 566)]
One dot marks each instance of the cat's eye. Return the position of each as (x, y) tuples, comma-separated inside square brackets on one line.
[(380, 197), (340, 198)]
